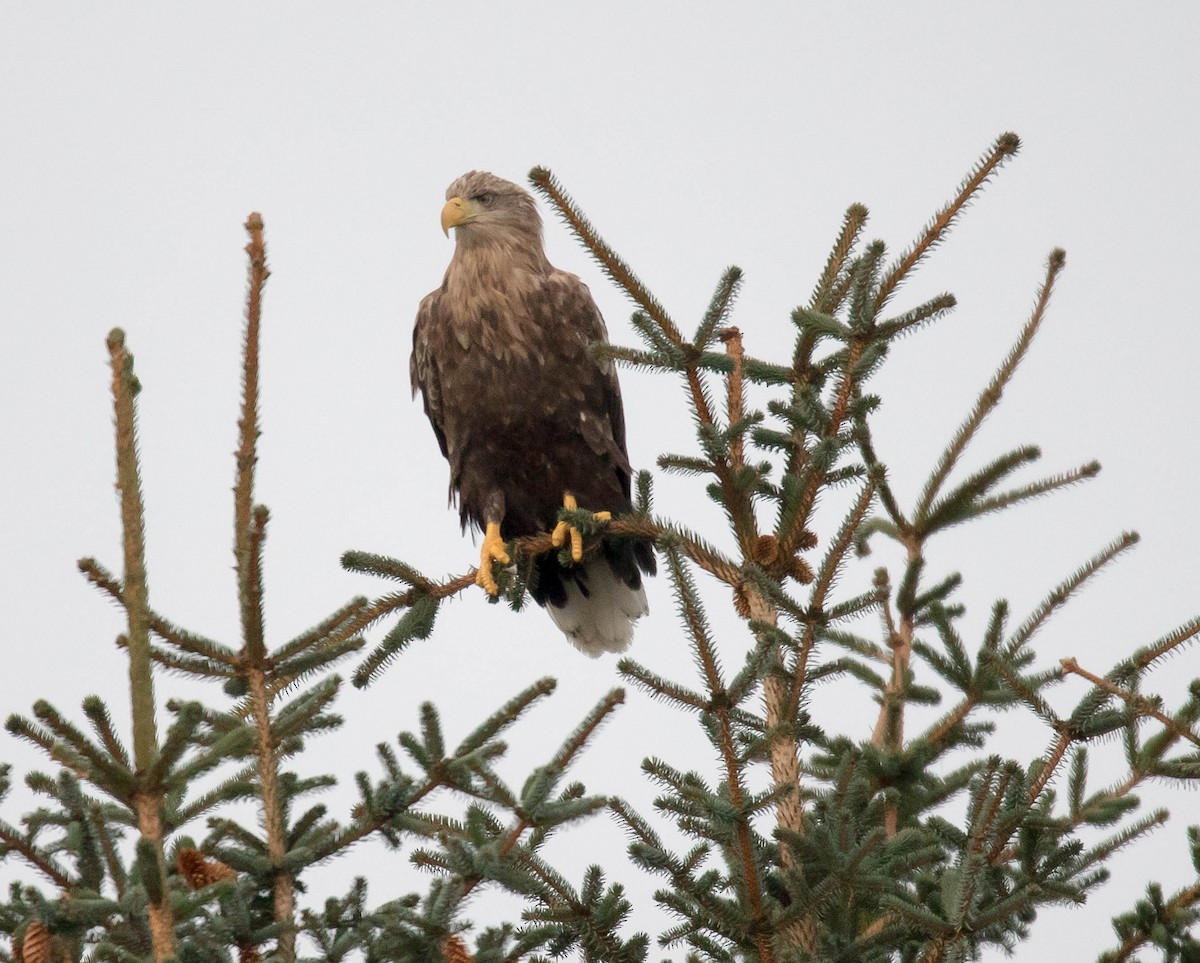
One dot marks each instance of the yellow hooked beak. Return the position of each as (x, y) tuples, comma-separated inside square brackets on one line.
[(456, 212)]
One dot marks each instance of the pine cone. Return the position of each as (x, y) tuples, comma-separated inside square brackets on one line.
[(248, 954), (35, 944), (454, 950), (200, 871), (766, 550)]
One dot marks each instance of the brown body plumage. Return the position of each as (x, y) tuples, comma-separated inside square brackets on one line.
[(523, 412)]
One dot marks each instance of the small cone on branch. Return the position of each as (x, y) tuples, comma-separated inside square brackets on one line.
[(454, 950), (35, 944), (200, 871), (248, 953)]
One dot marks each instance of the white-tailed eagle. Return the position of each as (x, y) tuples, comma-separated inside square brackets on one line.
[(527, 418)]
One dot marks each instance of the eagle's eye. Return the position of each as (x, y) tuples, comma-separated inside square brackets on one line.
[(484, 198)]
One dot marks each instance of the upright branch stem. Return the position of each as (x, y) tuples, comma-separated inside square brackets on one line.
[(268, 773), (789, 540), (248, 432), (148, 807), (250, 522), (735, 406), (785, 761), (825, 578), (136, 593), (785, 771), (136, 596), (889, 726)]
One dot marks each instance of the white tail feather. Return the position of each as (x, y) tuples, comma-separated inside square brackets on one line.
[(601, 621)]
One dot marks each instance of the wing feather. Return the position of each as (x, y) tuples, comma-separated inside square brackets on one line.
[(422, 367), (578, 313)]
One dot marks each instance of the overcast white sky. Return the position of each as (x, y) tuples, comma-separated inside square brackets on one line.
[(136, 138)]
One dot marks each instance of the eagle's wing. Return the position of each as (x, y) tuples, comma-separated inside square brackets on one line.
[(597, 379), (423, 369)]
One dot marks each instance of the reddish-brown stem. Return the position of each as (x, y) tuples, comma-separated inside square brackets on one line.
[(272, 803), (1073, 667)]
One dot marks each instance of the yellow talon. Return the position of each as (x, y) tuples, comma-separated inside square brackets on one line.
[(558, 537), (493, 550)]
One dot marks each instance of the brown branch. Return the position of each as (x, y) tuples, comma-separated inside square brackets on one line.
[(26, 850), (790, 540), (272, 804), (148, 809), (1006, 145), (527, 547), (248, 430), (734, 406), (1172, 641), (1184, 898), (852, 224), (889, 726), (160, 626), (733, 767), (825, 578), (1001, 852), (990, 396), (612, 265), (941, 730), (1139, 703), (136, 594)]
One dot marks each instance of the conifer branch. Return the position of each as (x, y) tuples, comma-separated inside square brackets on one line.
[(104, 580), (1006, 146), (272, 810), (693, 617), (1146, 657), (793, 525), (248, 433), (617, 270), (1035, 490), (919, 316), (323, 634), (147, 800), (719, 308), (43, 862), (251, 592), (878, 471), (527, 547), (734, 406), (1065, 590), (853, 222), (826, 575), (135, 595), (990, 397), (1169, 916), (1140, 704)]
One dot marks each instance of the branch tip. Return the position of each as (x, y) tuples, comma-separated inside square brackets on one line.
[(1008, 143)]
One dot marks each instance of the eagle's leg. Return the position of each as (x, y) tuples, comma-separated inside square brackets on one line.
[(493, 548), (564, 530)]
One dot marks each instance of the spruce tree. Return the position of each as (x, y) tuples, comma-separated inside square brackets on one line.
[(923, 842)]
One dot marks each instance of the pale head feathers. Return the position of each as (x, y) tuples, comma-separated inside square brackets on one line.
[(501, 211)]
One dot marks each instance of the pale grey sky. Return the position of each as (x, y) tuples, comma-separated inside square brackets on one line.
[(136, 138)]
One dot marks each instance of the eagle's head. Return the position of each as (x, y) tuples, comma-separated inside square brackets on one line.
[(482, 207)]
